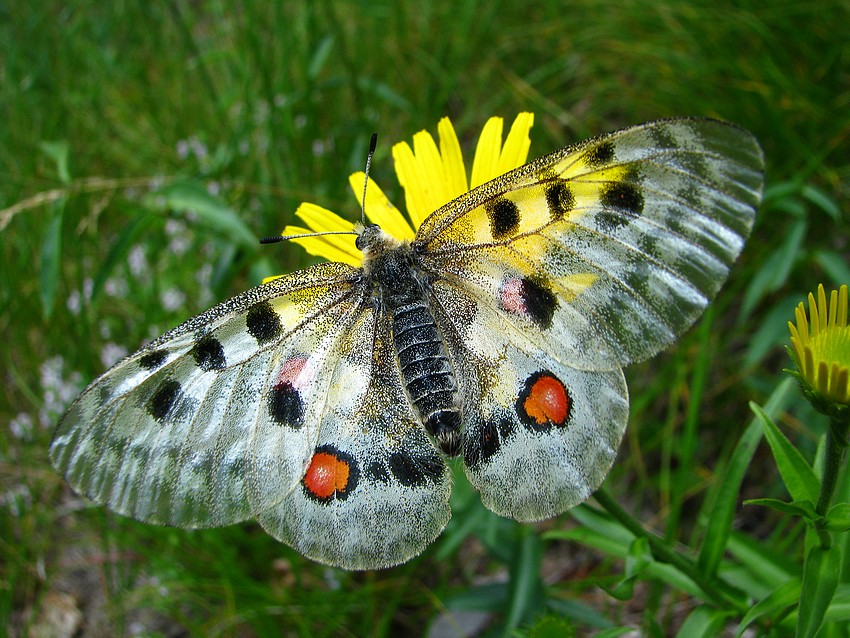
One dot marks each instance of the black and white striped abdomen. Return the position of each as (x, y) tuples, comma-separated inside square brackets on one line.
[(427, 372), (400, 290)]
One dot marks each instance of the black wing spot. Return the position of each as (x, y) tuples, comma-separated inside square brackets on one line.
[(414, 472), (540, 301), (263, 322), (504, 217), (286, 406), (560, 200), (164, 399), (488, 442), (378, 472), (622, 201), (209, 354), (599, 155), (152, 360), (625, 196)]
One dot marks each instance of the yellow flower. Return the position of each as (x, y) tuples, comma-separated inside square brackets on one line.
[(431, 177), (820, 346)]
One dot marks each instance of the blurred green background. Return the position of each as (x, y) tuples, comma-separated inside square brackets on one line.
[(145, 146)]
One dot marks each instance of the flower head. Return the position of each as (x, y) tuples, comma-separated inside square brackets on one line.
[(432, 175), (820, 346)]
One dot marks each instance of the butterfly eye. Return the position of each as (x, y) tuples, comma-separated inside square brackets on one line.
[(367, 236)]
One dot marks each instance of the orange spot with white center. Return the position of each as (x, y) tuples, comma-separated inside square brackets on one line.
[(547, 401), (327, 475)]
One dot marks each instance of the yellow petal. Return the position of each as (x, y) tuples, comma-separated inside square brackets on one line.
[(454, 171), (515, 152), (420, 172), (379, 209), (331, 247), (485, 164), (319, 219)]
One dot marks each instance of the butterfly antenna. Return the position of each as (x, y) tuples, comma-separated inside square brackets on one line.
[(277, 238), (373, 143)]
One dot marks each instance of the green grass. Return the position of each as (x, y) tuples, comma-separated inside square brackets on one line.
[(248, 111)]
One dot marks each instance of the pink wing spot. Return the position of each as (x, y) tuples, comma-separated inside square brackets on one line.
[(296, 373), (512, 296)]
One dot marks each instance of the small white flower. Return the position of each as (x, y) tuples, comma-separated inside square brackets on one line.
[(172, 299), (111, 353), (21, 426)]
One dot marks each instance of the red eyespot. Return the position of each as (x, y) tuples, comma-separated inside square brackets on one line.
[(330, 475), (544, 400)]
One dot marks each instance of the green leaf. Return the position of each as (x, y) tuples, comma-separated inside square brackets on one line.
[(191, 196), (833, 264), (820, 580), (491, 597), (637, 560), (320, 56), (58, 152), (616, 632), (384, 93), (579, 612), (552, 627), (774, 272), (602, 533), (797, 474), (525, 585), (772, 568), (822, 201), (51, 256), (773, 605), (703, 622), (726, 502), (838, 518), (803, 509)]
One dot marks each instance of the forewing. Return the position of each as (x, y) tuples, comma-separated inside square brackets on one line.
[(612, 248), (376, 491), (217, 419)]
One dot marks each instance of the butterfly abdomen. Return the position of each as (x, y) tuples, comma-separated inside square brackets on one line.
[(427, 373), (426, 369)]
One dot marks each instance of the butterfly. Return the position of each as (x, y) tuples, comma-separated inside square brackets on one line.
[(326, 404)]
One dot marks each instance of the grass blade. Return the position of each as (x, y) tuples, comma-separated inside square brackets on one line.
[(723, 512), (797, 474)]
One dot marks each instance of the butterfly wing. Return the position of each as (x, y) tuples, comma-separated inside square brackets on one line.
[(612, 247), (539, 435), (553, 276), (217, 419), (376, 492), (283, 404)]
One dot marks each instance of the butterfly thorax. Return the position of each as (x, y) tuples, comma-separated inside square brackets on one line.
[(400, 289)]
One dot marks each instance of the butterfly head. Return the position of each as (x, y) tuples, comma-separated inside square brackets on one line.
[(374, 242)]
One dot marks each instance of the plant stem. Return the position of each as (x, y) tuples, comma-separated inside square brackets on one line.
[(715, 588), (836, 449)]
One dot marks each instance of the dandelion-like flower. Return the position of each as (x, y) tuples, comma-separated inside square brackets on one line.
[(432, 175), (820, 347)]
